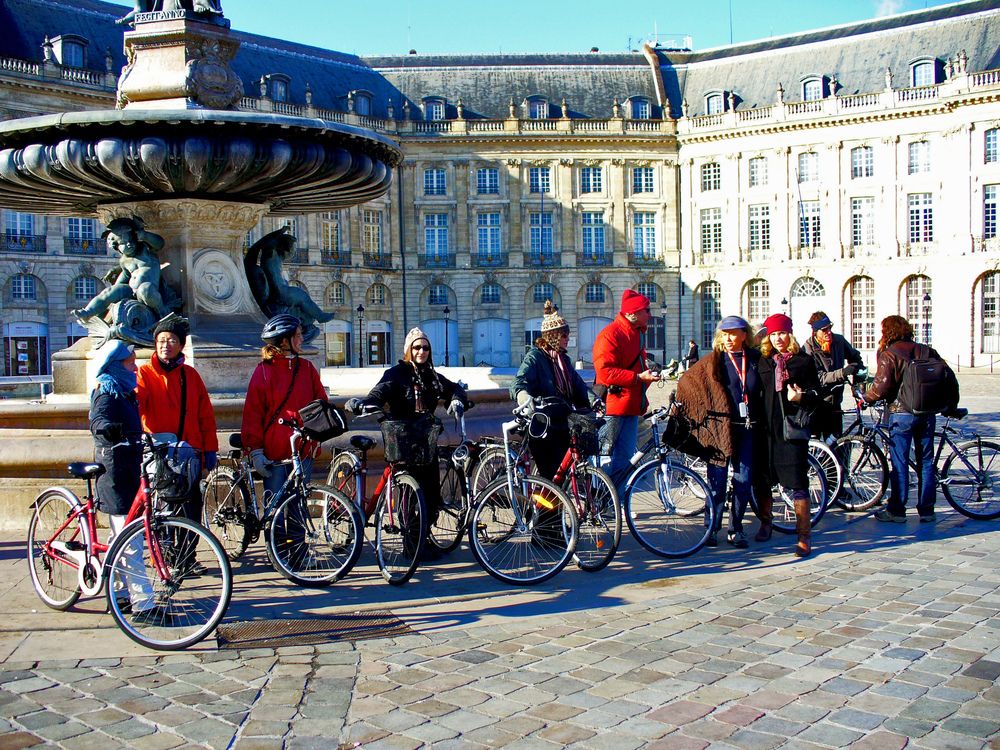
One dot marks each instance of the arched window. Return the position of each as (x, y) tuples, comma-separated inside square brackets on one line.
[(812, 89), (537, 108), (23, 286), (378, 294), (757, 301), (336, 295), (489, 293), (437, 294), (84, 288), (861, 307), (922, 73), (808, 166), (434, 108), (715, 103), (708, 309), (542, 291), (362, 103), (648, 290), (711, 176), (862, 162), (807, 287), (990, 311), (595, 293), (917, 291), (640, 108), (990, 151)]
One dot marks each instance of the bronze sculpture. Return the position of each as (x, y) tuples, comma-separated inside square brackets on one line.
[(209, 9)]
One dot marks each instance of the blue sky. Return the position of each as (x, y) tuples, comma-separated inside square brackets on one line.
[(440, 26)]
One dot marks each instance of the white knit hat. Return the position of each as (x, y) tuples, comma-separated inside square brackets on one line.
[(412, 337)]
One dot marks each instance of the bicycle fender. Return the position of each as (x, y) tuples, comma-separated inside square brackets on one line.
[(68, 495), (635, 472)]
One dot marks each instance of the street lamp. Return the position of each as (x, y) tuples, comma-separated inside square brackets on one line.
[(447, 312), (784, 305), (361, 335), (927, 318), (663, 314)]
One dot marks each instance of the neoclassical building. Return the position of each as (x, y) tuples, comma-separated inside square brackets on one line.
[(851, 169)]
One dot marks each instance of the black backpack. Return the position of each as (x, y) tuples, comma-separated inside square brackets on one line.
[(928, 385)]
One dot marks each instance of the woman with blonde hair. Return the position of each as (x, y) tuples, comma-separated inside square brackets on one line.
[(721, 396), (791, 392)]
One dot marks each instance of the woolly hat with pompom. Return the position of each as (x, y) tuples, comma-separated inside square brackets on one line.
[(551, 319)]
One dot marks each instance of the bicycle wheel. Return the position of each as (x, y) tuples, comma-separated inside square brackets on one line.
[(226, 511), (447, 529), (783, 509), (314, 539), (400, 529), (526, 551), (343, 475), (667, 509), (830, 465), (489, 466), (599, 514), (53, 569), (970, 479), (175, 604), (866, 473)]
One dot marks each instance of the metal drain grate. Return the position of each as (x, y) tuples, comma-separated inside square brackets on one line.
[(357, 626)]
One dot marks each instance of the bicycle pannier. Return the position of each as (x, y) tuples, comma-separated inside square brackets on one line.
[(411, 441), (175, 468), (928, 385), (584, 427), (321, 420)]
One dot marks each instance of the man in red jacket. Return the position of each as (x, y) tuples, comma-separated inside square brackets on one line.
[(620, 363)]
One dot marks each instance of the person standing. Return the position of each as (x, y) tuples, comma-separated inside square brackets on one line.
[(836, 362), (790, 386), (721, 397), (693, 354), (173, 399), (895, 350), (546, 372), (620, 365)]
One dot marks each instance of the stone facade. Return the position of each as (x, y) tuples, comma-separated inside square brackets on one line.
[(850, 189)]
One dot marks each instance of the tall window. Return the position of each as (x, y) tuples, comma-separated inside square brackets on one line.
[(362, 104), (19, 225), (72, 54), (990, 154), (760, 231), (922, 73), (642, 179), (435, 182), (711, 232), (862, 162), (279, 90), (434, 109), (436, 234), (711, 176), (918, 306), (81, 229), (809, 224), (862, 305), (640, 109), (648, 290), (812, 90), (758, 300), (808, 166), (709, 306), (594, 293), (372, 235), (991, 312), (862, 222), (488, 181), (377, 294), (542, 291), (989, 211), (714, 104), (489, 293), (538, 109), (539, 180), (329, 230), (593, 234), (540, 234), (22, 287), (919, 160), (644, 235), (758, 171), (84, 288), (488, 234), (921, 222), (591, 180), (437, 295)]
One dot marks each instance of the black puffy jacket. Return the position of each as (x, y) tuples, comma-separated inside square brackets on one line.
[(117, 431)]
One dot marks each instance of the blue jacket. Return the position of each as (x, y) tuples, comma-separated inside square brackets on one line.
[(537, 376)]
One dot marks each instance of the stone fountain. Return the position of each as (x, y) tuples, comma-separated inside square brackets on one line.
[(179, 173)]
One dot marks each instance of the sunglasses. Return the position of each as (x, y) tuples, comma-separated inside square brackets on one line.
[(419, 348), (827, 329)]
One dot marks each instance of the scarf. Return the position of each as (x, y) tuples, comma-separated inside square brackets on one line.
[(116, 380), (781, 370), (172, 364), (563, 386), (424, 379)]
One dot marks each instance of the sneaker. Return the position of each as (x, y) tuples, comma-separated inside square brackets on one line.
[(931, 518), (737, 539), (712, 541), (883, 514)]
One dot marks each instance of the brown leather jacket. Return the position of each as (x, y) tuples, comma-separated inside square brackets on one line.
[(889, 375)]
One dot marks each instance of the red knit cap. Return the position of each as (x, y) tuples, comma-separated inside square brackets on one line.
[(778, 322), (633, 302)]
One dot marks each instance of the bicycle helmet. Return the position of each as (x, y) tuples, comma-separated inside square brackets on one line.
[(279, 327)]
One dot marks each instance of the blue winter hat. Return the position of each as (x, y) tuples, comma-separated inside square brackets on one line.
[(732, 323), (113, 351)]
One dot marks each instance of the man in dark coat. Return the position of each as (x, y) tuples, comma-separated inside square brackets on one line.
[(836, 362)]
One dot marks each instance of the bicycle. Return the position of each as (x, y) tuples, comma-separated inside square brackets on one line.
[(396, 510), (523, 529), (968, 477), (591, 490), (312, 533), (167, 580)]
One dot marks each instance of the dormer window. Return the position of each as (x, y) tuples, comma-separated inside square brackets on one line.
[(70, 50), (362, 103), (922, 73), (538, 109), (434, 109), (715, 103), (812, 89), (640, 108), (277, 87)]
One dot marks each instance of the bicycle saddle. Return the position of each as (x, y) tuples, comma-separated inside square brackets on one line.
[(236, 440), (955, 413), (84, 470), (362, 443)]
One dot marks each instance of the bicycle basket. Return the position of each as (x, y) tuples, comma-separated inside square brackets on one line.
[(173, 471), (584, 428), (411, 441), (677, 434), (321, 420)]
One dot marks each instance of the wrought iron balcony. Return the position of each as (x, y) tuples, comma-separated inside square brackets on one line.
[(436, 260), (490, 260), (376, 260), (336, 258), (642, 260), (595, 259), (25, 243), (542, 260), (300, 256), (80, 246)]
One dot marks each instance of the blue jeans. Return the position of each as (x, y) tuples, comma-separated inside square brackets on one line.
[(618, 439), (741, 461), (905, 429), (280, 472)]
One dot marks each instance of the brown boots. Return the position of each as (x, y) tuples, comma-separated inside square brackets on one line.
[(803, 526), (764, 502)]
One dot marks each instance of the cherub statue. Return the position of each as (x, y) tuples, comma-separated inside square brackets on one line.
[(137, 279), (271, 289)]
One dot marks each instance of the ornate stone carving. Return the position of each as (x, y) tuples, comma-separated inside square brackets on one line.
[(215, 275), (566, 162), (210, 80), (513, 162)]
